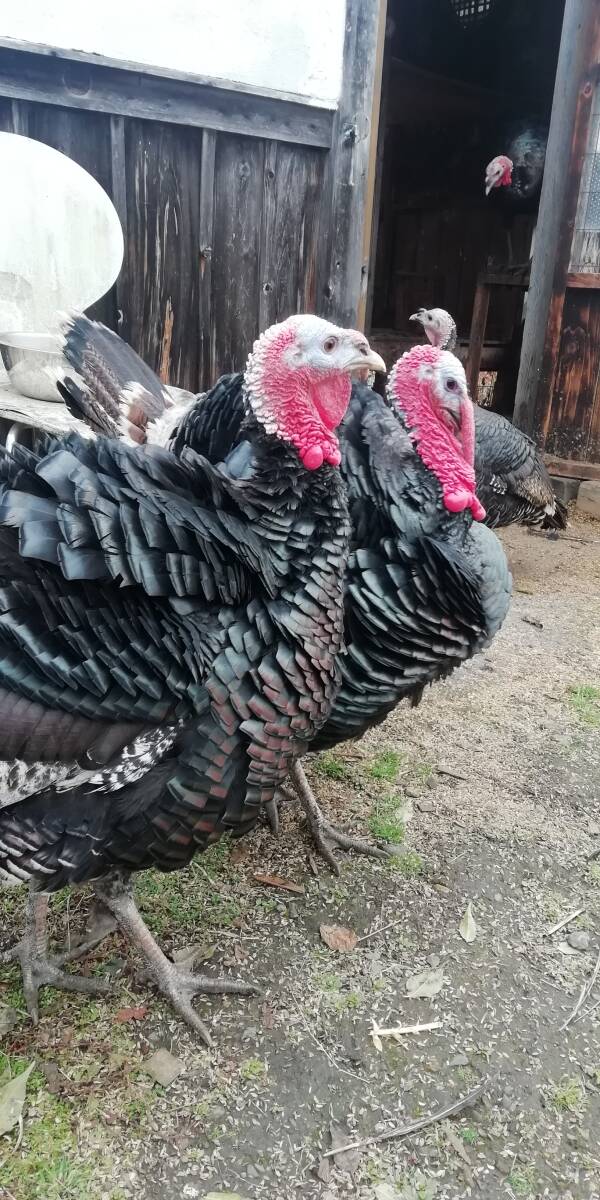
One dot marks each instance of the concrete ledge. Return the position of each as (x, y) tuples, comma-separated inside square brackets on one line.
[(565, 488), (588, 499)]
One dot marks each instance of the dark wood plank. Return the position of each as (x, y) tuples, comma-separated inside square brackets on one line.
[(567, 140), (289, 232), (118, 190), (344, 266), (239, 173), (84, 137), (163, 195), (576, 401), (573, 468), (583, 279), (206, 237), (477, 335), (85, 85)]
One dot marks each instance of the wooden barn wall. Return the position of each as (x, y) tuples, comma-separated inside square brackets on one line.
[(221, 231), (573, 428)]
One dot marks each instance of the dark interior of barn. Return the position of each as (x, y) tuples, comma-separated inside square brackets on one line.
[(457, 73)]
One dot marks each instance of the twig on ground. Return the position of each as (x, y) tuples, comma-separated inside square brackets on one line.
[(401, 1131), (452, 774), (565, 921), (382, 929), (584, 995), (398, 1031)]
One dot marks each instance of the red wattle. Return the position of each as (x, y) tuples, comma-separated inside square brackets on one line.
[(312, 458)]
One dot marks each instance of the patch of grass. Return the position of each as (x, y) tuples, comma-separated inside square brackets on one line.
[(469, 1135), (331, 766), (593, 873), (48, 1165), (584, 699), (385, 822), (184, 900), (522, 1180), (410, 865), (253, 1068), (568, 1095), (385, 765)]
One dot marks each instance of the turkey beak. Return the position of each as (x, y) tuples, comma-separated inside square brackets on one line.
[(363, 358), (488, 186), (418, 316)]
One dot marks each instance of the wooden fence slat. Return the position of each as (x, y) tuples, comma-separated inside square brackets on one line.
[(207, 371), (239, 169)]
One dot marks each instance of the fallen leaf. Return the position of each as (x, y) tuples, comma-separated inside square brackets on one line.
[(337, 937), (54, 1079), (131, 1014), (385, 1191), (467, 927), (346, 1160), (565, 948), (239, 854), (12, 1099), (268, 1015), (425, 983), (324, 1170), (187, 956), (8, 1019), (276, 881), (163, 1067)]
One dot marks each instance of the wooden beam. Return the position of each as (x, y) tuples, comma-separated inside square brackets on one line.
[(583, 279), (573, 92), (572, 468), (377, 133), (206, 235), (119, 199), (481, 306), (343, 278), (181, 102)]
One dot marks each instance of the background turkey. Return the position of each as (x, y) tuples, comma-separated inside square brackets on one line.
[(512, 481), (169, 633), (514, 176), (425, 588)]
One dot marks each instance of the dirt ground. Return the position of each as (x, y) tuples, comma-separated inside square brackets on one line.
[(492, 789)]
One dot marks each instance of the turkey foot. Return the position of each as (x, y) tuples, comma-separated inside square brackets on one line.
[(178, 986), (38, 969), (326, 836)]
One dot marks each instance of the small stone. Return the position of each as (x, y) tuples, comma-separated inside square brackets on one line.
[(433, 960), (579, 939), (8, 1019), (250, 1033), (163, 1067), (459, 1060), (426, 806), (594, 829)]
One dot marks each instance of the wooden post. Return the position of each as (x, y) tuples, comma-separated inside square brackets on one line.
[(477, 336), (347, 206), (558, 205)]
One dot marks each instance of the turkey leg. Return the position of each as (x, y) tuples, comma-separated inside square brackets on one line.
[(38, 968), (325, 835), (176, 985)]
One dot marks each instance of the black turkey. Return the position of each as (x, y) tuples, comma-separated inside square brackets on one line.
[(426, 587), (512, 481), (169, 633), (515, 175)]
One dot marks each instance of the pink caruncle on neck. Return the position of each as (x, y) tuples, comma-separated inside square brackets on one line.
[(450, 460), (300, 405)]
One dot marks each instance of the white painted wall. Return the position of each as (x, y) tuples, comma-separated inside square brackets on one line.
[(286, 45)]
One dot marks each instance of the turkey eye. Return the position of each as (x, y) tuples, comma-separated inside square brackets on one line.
[(330, 344), (452, 385)]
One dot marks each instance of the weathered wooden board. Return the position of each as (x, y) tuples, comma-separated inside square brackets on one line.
[(131, 93), (163, 196), (239, 182), (575, 428), (289, 237)]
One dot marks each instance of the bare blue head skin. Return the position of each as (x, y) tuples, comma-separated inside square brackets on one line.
[(438, 326)]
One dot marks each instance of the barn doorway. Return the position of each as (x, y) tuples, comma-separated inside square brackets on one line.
[(457, 75)]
